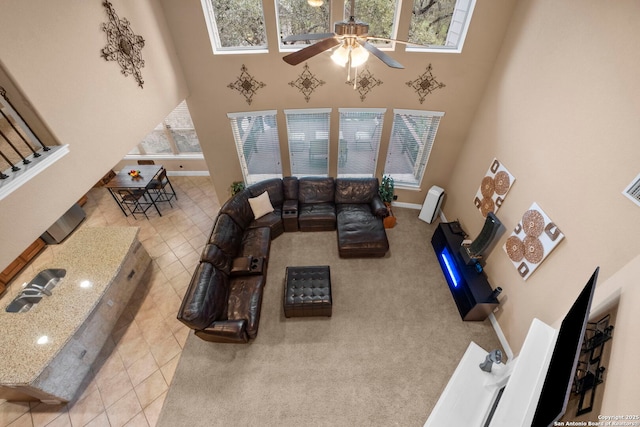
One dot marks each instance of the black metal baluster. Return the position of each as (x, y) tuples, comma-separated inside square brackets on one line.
[(24, 159), (3, 93), (35, 153), (14, 168)]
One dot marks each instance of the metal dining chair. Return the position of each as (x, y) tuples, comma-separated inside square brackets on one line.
[(136, 202), (159, 186)]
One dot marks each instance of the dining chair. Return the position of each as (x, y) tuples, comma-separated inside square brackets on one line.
[(136, 202), (146, 162), (159, 186)]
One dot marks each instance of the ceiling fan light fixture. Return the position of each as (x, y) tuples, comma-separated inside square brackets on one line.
[(315, 3), (341, 55), (359, 56)]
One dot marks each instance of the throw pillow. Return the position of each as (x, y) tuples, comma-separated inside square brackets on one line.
[(261, 205)]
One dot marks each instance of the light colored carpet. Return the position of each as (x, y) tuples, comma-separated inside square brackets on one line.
[(382, 359)]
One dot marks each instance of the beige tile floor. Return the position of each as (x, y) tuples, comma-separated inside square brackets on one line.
[(130, 379)]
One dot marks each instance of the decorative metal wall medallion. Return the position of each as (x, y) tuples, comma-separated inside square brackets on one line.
[(364, 83), (425, 84), (246, 84), (123, 45), (306, 83)]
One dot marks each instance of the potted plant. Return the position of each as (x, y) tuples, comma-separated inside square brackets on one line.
[(236, 187), (386, 192)]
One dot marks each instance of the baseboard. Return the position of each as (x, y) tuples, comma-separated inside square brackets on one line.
[(188, 173), (501, 337), (407, 205)]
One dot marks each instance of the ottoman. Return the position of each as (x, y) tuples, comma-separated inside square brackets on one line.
[(307, 291)]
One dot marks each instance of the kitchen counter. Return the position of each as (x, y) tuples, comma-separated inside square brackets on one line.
[(47, 351)]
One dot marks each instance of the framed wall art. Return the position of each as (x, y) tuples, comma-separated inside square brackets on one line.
[(494, 188), (532, 240)]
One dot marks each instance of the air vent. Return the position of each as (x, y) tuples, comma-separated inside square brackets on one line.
[(633, 190)]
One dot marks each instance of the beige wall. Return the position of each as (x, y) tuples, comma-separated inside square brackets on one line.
[(561, 113), (51, 51), (208, 75)]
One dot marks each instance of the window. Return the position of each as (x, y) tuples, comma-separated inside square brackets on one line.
[(380, 15), (412, 138), (298, 17), (308, 136), (359, 141), (256, 137), (442, 25), (235, 25), (175, 135)]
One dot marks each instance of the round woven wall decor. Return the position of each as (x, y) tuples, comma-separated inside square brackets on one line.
[(533, 223), (533, 250)]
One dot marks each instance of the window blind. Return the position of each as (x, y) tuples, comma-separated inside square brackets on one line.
[(308, 137), (257, 144), (412, 138), (359, 143)]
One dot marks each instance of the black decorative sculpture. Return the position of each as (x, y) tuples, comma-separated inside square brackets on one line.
[(306, 83), (123, 45), (425, 84), (246, 84), (364, 82)]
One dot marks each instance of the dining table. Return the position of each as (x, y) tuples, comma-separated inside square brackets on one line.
[(124, 181)]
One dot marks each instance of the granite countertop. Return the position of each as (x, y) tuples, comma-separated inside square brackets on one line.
[(92, 257)]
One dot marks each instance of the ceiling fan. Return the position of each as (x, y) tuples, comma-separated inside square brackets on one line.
[(351, 37)]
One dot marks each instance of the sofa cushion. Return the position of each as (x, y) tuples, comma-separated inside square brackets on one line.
[(256, 242), (290, 187), (227, 235), (272, 220), (317, 217), (356, 190), (206, 298), (360, 233), (239, 209), (316, 190), (245, 301), (215, 256), (260, 205), (273, 187)]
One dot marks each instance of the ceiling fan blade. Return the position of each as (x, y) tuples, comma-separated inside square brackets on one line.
[(380, 54), (303, 37), (302, 55), (396, 41)]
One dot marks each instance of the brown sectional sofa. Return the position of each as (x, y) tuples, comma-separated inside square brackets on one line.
[(224, 297)]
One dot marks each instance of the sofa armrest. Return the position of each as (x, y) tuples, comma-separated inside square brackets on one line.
[(247, 265), (378, 207), (290, 207), (229, 331)]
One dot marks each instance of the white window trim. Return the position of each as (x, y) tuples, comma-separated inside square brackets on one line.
[(252, 114), (210, 20), (423, 113), (461, 39)]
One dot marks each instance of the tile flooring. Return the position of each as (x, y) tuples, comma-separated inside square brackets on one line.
[(130, 379)]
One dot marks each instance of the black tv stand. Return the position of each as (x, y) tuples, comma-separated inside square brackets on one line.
[(470, 288)]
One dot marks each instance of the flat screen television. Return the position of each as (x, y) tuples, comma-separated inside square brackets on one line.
[(552, 403)]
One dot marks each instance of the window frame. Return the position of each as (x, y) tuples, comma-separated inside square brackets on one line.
[(295, 46), (422, 154), (377, 132), (459, 43), (288, 113), (214, 37), (248, 176), (173, 146)]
